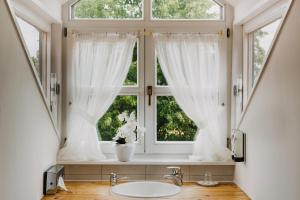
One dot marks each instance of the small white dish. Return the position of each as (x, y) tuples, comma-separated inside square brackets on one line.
[(208, 183)]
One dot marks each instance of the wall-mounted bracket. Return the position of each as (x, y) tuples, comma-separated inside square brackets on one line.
[(238, 145)]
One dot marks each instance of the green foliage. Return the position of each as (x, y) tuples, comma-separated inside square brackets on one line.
[(109, 9), (259, 53), (133, 9), (184, 9), (172, 122), (109, 123), (36, 64), (132, 74), (161, 80)]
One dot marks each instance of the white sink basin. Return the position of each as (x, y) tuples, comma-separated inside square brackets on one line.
[(145, 189)]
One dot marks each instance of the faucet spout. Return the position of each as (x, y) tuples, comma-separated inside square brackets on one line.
[(114, 179), (176, 176)]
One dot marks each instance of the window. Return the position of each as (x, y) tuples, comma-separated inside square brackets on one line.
[(259, 35), (181, 9), (168, 129), (160, 9), (260, 43), (131, 79), (34, 42), (108, 9), (127, 101), (108, 124), (172, 124), (130, 99)]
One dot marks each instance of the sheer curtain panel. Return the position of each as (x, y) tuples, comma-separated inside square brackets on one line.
[(100, 63), (191, 65)]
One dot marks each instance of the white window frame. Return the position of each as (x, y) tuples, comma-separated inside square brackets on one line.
[(44, 27), (44, 59), (146, 14), (277, 11), (172, 147), (146, 65), (219, 2)]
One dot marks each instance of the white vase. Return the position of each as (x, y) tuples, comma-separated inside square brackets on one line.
[(124, 152)]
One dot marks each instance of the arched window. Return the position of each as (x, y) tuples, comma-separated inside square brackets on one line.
[(160, 9), (193, 9), (108, 9)]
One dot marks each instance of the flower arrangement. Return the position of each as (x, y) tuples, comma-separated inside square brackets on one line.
[(130, 131)]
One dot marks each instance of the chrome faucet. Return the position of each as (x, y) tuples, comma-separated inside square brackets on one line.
[(114, 179), (176, 176)]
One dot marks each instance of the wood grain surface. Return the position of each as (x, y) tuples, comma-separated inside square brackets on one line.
[(190, 191)]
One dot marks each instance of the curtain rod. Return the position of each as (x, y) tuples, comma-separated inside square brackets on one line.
[(150, 33)]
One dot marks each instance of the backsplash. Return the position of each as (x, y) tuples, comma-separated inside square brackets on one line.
[(146, 172)]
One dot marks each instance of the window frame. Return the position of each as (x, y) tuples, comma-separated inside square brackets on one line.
[(172, 147), (37, 18), (220, 3), (147, 70), (72, 16), (43, 78), (146, 13), (267, 17)]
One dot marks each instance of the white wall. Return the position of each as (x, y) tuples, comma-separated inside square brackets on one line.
[(47, 10), (272, 123), (244, 10), (28, 142)]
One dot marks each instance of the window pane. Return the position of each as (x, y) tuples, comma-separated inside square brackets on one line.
[(183, 9), (131, 79), (262, 40), (172, 123), (32, 37), (109, 123), (160, 78), (108, 9)]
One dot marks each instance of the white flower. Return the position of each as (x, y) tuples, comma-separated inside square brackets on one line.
[(122, 117), (130, 131), (132, 117)]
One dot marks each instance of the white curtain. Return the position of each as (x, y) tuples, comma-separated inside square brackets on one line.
[(191, 65), (100, 63)]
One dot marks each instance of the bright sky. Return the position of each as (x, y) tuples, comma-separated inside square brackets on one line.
[(271, 29), (30, 35)]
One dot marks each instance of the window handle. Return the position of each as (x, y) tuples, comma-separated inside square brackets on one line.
[(149, 93)]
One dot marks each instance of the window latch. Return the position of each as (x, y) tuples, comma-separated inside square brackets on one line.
[(236, 90), (149, 93)]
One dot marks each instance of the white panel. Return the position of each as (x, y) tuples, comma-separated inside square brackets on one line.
[(272, 123), (39, 11), (247, 9), (28, 142)]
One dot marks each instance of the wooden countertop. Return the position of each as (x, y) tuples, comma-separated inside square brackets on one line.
[(190, 191)]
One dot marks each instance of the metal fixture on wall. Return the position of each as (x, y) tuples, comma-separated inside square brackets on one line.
[(238, 145)]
